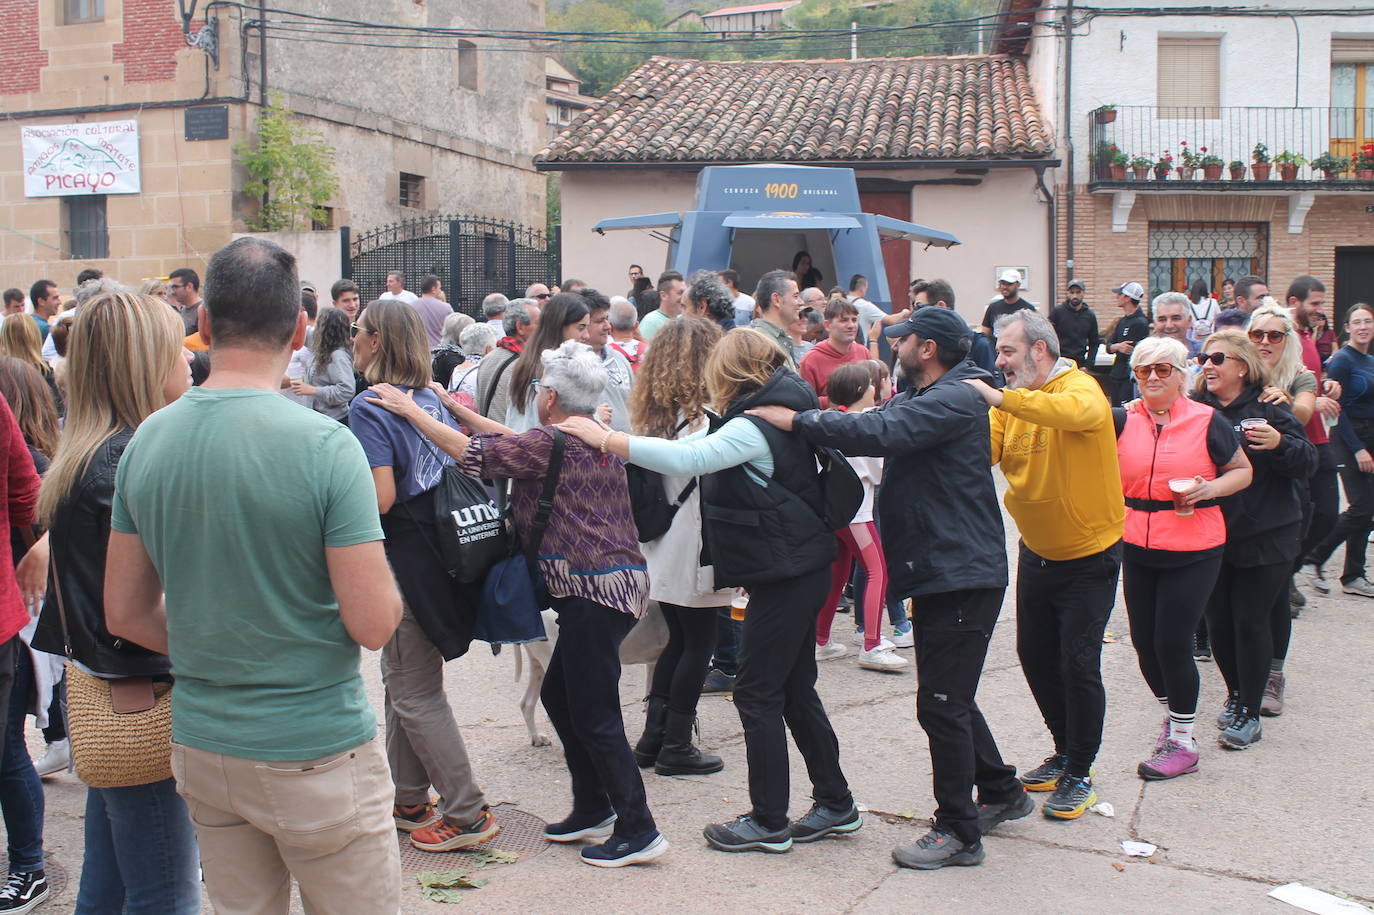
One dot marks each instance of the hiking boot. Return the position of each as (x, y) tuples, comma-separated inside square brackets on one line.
[(679, 756), (820, 822), (1170, 760), (743, 833), (831, 650), (1360, 586), (904, 638), (1272, 706), (23, 892), (415, 816), (446, 836), (1244, 731), (581, 826), (1202, 647), (990, 815), (717, 684), (1316, 578), (881, 658), (1295, 597), (55, 759), (1045, 777), (1163, 734), (651, 741), (618, 851), (1228, 711), (937, 849), (1071, 798)]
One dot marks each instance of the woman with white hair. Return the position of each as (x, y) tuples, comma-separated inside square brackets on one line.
[(449, 352), (476, 341), (1178, 458), (597, 579)]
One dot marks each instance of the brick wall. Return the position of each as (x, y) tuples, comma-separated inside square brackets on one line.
[(152, 35), (21, 58)]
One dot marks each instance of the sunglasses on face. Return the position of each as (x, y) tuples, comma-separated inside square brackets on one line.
[(357, 329), (543, 295), (1272, 336), (1214, 358), (1161, 369)]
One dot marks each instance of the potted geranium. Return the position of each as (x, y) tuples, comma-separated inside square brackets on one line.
[(1105, 115), (1331, 166), (1163, 165), (1364, 162), (1116, 163), (1289, 163), (1140, 167), (1190, 161), (1237, 169), (1260, 156), (1212, 165)]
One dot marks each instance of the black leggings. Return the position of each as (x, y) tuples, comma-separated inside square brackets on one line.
[(1238, 619), (1352, 527), (1164, 606), (682, 666)]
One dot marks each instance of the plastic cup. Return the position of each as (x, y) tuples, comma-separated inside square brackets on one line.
[(1247, 424), (1177, 488), (738, 605)]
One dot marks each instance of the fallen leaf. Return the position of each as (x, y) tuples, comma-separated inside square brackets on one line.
[(490, 857), (1119, 866), (441, 894)]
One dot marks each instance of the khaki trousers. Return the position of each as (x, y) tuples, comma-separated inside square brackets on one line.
[(326, 822)]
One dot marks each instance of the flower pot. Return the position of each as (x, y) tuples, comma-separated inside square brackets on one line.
[(1186, 172), (1117, 172), (1238, 174), (1288, 173), (1328, 174), (1260, 170), (1141, 173), (1365, 174), (1106, 116), (1161, 172), (1211, 172)]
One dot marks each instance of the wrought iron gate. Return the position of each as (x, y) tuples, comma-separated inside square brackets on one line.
[(473, 256)]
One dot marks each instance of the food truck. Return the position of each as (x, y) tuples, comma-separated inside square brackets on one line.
[(755, 218)]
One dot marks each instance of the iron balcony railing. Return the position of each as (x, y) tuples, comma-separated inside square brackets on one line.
[(1223, 145)]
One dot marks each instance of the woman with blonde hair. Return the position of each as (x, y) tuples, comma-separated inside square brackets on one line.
[(668, 401), (1263, 525), (764, 529), (125, 363)]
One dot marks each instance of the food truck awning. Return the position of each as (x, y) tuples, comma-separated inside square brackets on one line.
[(897, 228), (649, 221), (749, 219)]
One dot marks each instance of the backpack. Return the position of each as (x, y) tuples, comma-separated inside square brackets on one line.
[(842, 491), (649, 504)]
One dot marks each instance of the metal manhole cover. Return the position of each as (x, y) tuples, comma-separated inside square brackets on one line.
[(521, 833), (57, 874)]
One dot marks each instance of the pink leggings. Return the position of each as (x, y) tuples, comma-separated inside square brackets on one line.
[(857, 541)]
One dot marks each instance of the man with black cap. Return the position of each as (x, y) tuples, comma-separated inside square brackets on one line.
[(946, 550), (1076, 325), (1133, 327)]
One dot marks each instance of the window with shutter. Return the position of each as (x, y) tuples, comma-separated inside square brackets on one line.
[(1189, 84)]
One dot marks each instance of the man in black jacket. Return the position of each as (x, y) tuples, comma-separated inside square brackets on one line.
[(946, 549), (1133, 327), (1076, 325)]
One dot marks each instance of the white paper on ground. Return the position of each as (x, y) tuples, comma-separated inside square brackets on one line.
[(1313, 900), (1138, 849), (1103, 808)]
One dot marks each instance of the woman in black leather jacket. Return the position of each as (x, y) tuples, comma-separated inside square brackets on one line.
[(125, 361)]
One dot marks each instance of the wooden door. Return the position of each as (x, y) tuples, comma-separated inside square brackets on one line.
[(896, 252)]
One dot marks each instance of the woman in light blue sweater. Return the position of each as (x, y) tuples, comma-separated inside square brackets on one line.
[(328, 380)]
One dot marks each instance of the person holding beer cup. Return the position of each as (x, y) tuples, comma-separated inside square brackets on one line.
[(1178, 458), (1264, 522)]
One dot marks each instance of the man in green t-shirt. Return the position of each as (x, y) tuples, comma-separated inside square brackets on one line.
[(246, 545)]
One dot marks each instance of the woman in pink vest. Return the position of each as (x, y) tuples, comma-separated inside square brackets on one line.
[(1178, 458)]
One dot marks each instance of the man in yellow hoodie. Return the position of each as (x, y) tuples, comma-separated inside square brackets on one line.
[(1052, 432)]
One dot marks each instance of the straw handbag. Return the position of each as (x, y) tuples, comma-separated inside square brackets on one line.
[(120, 729)]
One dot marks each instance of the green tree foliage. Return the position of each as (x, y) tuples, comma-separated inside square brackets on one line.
[(290, 167)]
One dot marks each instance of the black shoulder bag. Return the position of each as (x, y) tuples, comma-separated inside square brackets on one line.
[(649, 504)]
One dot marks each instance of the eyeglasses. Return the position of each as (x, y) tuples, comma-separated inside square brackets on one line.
[(358, 329), (1214, 358), (1272, 336), (543, 295), (1161, 369)]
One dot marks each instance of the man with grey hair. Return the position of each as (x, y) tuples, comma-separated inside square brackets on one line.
[(779, 304), (493, 379), (1053, 434), (1173, 319), (624, 319), (708, 297), (493, 309)]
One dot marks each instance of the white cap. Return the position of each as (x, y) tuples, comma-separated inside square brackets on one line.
[(1131, 290), (1009, 275)]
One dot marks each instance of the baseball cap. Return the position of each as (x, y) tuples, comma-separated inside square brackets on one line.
[(1009, 276), (1079, 284), (938, 324), (1131, 290)]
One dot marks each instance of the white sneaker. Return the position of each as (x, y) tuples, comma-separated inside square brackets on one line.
[(831, 650), (883, 643), (905, 639), (1361, 586), (56, 758), (1316, 579), (881, 659)]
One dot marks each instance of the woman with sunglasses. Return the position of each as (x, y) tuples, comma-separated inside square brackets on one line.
[(1177, 457), (1264, 525)]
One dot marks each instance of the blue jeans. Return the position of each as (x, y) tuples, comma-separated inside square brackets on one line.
[(21, 792), (141, 856), (726, 657)]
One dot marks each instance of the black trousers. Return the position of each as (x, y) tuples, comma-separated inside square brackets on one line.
[(776, 686), (1165, 606), (952, 634), (1238, 622), (1061, 612), (581, 695), (682, 666), (1352, 527), (1322, 509), (9, 657)]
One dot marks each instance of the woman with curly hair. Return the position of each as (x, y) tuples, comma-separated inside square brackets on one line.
[(328, 381), (668, 401)]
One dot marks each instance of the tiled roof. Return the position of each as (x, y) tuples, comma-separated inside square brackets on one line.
[(779, 6), (881, 109)]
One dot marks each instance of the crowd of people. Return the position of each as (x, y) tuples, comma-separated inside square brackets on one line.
[(227, 496)]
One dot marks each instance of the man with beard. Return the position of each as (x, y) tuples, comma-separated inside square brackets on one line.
[(1076, 325), (1052, 432)]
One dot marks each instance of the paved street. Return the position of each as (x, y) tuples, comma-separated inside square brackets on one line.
[(1298, 807)]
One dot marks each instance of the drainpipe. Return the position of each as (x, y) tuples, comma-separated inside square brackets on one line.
[(1068, 142), (1050, 215)]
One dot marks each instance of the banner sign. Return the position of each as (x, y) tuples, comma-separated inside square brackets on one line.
[(73, 159)]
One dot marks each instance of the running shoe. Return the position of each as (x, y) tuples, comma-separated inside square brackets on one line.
[(1071, 798), (1316, 578), (744, 833), (1244, 731), (718, 684), (883, 641), (990, 815), (1045, 777), (23, 892), (1169, 761), (1228, 711), (1272, 706), (820, 822), (581, 826), (446, 836), (904, 638), (416, 816), (621, 852), (937, 849), (1202, 647), (881, 658), (1360, 586), (55, 759), (831, 650), (1296, 597)]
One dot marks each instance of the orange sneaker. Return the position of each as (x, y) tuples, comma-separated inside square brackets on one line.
[(446, 836), (417, 816)]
